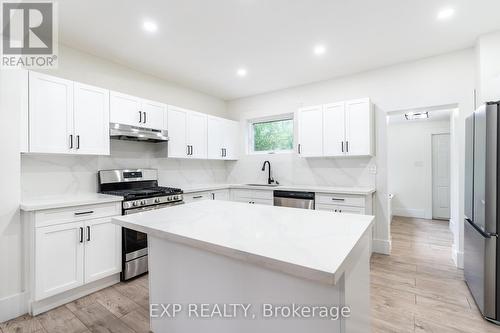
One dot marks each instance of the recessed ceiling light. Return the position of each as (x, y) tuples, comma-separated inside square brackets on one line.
[(319, 49), (241, 72), (446, 13), (150, 26)]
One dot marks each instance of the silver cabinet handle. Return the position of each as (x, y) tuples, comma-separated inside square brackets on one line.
[(338, 199), (88, 233), (78, 142), (298, 148), (140, 116), (71, 141), (84, 213), (347, 146), (198, 197), (145, 119), (342, 146), (81, 234)]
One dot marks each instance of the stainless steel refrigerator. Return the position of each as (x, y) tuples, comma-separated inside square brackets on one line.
[(481, 250)]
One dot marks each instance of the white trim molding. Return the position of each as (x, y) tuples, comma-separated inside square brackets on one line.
[(13, 306), (382, 246), (410, 212), (457, 256)]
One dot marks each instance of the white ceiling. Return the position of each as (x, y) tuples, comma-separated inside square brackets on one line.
[(201, 43)]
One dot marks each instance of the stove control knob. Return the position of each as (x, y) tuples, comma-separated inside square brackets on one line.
[(176, 197), (143, 202), (169, 198), (134, 204), (157, 200)]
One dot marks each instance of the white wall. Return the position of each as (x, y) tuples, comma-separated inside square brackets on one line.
[(51, 174), (488, 53), (444, 80), (409, 166)]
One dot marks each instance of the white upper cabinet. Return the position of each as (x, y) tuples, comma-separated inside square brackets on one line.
[(91, 119), (197, 135), (222, 139), (215, 135), (135, 111), (337, 129), (50, 114), (153, 114), (177, 132), (67, 117), (310, 131), (359, 129), (124, 109), (334, 129)]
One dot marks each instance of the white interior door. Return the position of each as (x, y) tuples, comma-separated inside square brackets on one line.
[(441, 176), (91, 118)]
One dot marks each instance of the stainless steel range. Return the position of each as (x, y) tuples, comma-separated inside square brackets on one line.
[(140, 190)]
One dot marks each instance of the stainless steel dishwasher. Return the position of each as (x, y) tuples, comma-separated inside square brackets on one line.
[(294, 199)]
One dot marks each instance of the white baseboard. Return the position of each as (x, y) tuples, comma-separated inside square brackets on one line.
[(381, 246), (410, 212), (13, 306), (50, 303), (452, 226), (458, 257)]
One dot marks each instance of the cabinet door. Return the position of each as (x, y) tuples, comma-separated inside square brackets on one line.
[(359, 127), (177, 126), (341, 209), (197, 134), (58, 258), (216, 134), (153, 114), (102, 249), (197, 196), (221, 195), (50, 114), (334, 130), (311, 131), (231, 140), (91, 118), (124, 109)]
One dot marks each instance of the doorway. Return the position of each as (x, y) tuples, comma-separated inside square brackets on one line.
[(441, 176)]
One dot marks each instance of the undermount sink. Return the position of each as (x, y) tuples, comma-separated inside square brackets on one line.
[(264, 185)]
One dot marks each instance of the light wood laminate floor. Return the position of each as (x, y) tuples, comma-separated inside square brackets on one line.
[(416, 289)]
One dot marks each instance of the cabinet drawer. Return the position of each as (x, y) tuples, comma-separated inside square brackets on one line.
[(262, 194), (268, 202), (241, 194), (341, 209), (197, 196), (76, 213), (340, 199)]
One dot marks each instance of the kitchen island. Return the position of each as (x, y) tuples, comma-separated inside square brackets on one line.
[(218, 266)]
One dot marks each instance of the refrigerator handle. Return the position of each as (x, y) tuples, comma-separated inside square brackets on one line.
[(481, 231)]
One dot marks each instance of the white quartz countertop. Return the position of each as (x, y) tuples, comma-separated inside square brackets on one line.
[(311, 244), (68, 200), (308, 188)]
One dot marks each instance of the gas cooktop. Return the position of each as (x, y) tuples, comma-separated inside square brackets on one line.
[(143, 193)]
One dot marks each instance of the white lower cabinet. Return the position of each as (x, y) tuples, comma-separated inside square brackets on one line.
[(197, 196), (220, 195), (70, 247), (102, 249), (344, 203), (58, 259), (261, 197)]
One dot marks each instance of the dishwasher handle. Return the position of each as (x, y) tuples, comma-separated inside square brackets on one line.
[(294, 194)]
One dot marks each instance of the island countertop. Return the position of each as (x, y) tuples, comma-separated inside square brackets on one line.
[(316, 245)]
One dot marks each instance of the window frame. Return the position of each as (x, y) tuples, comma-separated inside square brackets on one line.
[(251, 139)]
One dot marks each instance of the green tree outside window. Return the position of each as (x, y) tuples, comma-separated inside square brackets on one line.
[(273, 135)]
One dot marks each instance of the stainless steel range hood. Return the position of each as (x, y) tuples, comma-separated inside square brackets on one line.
[(132, 133)]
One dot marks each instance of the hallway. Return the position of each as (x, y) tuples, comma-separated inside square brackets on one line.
[(418, 288)]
